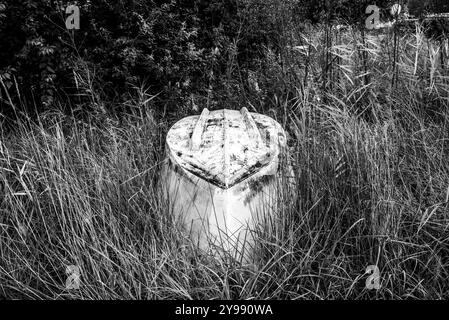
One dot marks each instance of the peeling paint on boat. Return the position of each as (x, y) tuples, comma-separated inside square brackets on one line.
[(220, 174)]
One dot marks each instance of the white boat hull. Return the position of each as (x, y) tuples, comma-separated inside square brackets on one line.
[(220, 221), (221, 176)]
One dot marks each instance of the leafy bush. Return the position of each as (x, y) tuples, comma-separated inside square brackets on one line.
[(168, 45)]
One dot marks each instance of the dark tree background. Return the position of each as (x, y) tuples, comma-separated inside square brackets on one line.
[(160, 43), (176, 48)]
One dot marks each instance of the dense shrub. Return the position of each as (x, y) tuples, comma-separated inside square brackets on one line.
[(178, 49), (166, 44)]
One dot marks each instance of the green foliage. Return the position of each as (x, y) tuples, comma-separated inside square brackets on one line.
[(168, 45), (181, 50)]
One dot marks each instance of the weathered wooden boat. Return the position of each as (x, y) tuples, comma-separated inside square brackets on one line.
[(220, 176)]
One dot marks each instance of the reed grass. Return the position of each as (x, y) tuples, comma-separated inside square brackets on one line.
[(371, 187)]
